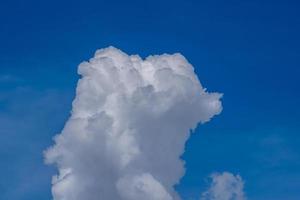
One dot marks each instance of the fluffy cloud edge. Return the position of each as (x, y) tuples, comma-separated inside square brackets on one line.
[(225, 186)]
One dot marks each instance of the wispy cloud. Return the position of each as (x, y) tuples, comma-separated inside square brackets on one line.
[(7, 78), (29, 119)]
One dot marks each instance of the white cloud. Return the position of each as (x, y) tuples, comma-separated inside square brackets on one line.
[(225, 186), (129, 124), (142, 187)]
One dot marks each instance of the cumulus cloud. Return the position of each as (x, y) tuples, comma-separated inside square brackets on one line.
[(225, 186), (129, 123)]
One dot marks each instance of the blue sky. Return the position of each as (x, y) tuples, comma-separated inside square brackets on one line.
[(248, 50)]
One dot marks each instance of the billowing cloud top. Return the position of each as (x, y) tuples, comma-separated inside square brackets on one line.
[(129, 124)]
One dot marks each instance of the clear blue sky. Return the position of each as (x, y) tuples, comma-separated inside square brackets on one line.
[(248, 50)]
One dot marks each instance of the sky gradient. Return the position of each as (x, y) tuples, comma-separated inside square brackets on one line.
[(247, 50)]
